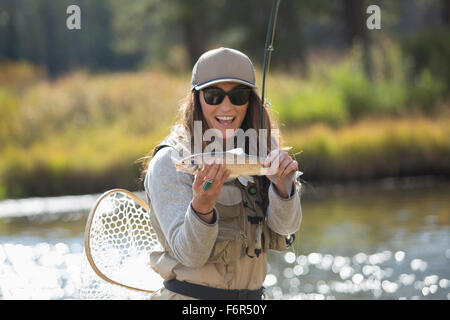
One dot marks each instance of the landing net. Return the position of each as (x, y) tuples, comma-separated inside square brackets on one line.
[(118, 241)]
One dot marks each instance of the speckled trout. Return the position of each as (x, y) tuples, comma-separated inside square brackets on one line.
[(239, 163)]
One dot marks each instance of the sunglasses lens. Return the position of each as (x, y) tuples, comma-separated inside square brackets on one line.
[(213, 96), (239, 96)]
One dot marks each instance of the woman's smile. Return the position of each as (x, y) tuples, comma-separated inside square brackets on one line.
[(225, 121)]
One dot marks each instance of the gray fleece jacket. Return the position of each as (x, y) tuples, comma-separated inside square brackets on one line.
[(191, 239)]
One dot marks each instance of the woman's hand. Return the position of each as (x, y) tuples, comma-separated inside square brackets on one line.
[(204, 200), (283, 167)]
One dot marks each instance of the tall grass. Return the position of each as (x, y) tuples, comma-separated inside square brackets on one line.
[(138, 103), (83, 133), (372, 149), (339, 93)]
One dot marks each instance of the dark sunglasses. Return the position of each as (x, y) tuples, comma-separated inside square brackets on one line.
[(238, 96)]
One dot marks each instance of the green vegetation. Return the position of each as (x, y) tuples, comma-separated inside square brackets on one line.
[(339, 93), (84, 133), (373, 149)]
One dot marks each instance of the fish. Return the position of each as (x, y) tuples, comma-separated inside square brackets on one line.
[(236, 160)]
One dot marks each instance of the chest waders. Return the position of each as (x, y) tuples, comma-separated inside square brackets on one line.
[(254, 232), (259, 237), (243, 231)]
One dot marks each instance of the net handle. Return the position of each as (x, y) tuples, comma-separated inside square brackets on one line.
[(87, 236)]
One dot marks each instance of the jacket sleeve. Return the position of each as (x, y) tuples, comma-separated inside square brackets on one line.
[(284, 216), (190, 239)]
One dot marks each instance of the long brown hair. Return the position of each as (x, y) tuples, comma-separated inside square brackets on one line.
[(191, 110)]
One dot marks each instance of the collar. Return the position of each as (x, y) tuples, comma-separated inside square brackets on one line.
[(245, 180)]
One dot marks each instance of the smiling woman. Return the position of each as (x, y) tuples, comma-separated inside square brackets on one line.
[(224, 106), (216, 228)]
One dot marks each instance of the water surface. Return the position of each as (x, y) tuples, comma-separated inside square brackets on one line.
[(388, 241)]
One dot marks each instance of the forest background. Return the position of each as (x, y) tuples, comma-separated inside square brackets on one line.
[(78, 108)]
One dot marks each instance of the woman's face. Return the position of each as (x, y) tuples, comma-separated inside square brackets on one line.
[(224, 116)]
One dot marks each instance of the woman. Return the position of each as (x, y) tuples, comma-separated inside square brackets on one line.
[(215, 231)]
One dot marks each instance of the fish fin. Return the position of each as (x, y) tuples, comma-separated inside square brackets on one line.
[(245, 179), (238, 151)]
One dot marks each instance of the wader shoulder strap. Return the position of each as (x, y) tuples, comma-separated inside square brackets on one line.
[(159, 147)]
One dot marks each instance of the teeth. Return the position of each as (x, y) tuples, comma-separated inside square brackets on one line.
[(225, 118)]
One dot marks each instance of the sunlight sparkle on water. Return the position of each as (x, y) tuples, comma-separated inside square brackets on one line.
[(407, 279), (389, 287), (444, 283), (360, 258), (429, 280), (289, 257), (418, 264), (270, 280), (357, 278), (399, 256), (45, 271), (314, 258), (298, 270)]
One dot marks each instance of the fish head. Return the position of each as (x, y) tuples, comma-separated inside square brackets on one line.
[(188, 165)]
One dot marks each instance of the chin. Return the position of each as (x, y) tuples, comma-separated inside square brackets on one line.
[(230, 133)]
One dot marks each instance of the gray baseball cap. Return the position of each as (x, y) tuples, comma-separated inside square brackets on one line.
[(222, 65)]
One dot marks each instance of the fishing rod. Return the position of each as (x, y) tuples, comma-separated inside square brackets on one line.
[(268, 54)]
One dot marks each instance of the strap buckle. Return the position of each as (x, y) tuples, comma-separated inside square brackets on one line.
[(254, 220)]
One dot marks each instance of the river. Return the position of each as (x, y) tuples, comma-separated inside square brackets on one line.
[(388, 240)]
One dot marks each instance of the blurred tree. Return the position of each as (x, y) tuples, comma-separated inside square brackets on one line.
[(10, 50), (354, 17), (356, 30), (445, 12), (195, 26), (150, 28), (36, 31), (243, 25), (120, 34)]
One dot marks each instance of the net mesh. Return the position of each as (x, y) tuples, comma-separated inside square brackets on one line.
[(118, 242)]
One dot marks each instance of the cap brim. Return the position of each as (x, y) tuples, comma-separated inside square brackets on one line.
[(214, 81)]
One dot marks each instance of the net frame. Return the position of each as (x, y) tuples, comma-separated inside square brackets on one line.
[(98, 274)]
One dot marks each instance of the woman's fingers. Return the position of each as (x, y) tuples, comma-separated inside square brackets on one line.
[(292, 166), (274, 161), (284, 163), (222, 175), (271, 157), (207, 186), (216, 175), (280, 163), (273, 164), (211, 175), (200, 176)]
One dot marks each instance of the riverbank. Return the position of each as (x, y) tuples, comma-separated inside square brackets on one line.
[(373, 149), (92, 161), (83, 133)]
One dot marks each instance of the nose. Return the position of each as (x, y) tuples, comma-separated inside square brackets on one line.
[(225, 104)]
